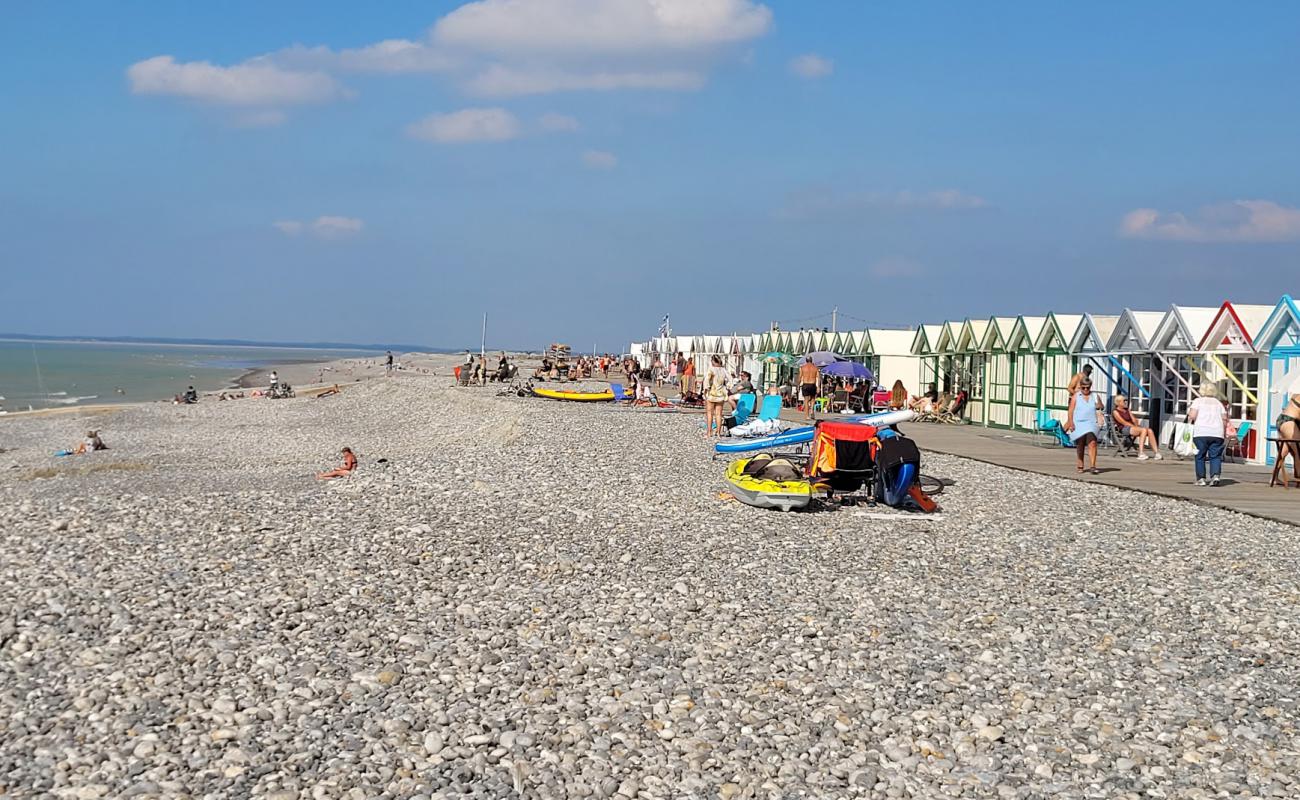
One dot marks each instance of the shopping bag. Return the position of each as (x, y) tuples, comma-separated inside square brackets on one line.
[(1183, 444)]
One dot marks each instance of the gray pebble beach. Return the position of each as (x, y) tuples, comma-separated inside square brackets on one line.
[(548, 600)]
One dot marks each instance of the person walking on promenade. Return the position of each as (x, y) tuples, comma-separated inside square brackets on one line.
[(1081, 424), (809, 375), (1209, 428)]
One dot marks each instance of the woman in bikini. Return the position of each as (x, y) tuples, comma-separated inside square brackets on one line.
[(1288, 422), (1127, 425), (349, 464)]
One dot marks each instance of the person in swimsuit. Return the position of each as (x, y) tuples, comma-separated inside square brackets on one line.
[(808, 377), (1127, 425), (1288, 422), (1081, 424), (349, 464)]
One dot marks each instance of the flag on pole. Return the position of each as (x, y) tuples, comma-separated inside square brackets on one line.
[(663, 326)]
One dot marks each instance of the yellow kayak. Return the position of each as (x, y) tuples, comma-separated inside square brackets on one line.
[(762, 492), (557, 394)]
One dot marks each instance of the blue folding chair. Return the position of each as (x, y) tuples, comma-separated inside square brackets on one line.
[(1048, 426), (619, 395), (771, 408), (744, 408)]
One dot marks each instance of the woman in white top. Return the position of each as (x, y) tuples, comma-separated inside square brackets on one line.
[(1209, 421), (715, 395)]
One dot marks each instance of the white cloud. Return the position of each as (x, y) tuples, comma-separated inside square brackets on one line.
[(1237, 221), (256, 83), (466, 125), (391, 56), (599, 159), (324, 227), (811, 66), (575, 28), (502, 81), (822, 201), (557, 123), (895, 268)]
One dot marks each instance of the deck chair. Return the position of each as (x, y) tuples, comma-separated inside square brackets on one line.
[(771, 408), (1236, 443), (620, 395), (1048, 429), (744, 410)]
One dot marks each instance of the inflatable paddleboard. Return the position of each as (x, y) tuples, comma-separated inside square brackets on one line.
[(557, 394), (805, 434)]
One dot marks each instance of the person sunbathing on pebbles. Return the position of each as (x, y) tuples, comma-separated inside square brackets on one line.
[(349, 464)]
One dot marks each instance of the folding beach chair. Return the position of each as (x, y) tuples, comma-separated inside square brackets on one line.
[(1236, 443), (771, 408), (744, 409), (620, 396), (1048, 428)]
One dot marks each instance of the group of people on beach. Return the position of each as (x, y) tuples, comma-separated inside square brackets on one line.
[(1207, 414)]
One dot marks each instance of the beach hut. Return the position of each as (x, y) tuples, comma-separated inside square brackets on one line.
[(924, 340), (1001, 371), (1236, 364), (1279, 338), (892, 348), (945, 349), (1130, 354), (1089, 345), (1177, 359), (1028, 383), (1055, 365), (971, 366)]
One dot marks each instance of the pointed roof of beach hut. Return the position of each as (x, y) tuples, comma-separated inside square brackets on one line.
[(972, 335), (1024, 334), (1282, 328), (1057, 330), (892, 341), (1181, 329), (861, 344), (947, 341), (998, 333), (1093, 333), (1235, 327), (924, 339), (1133, 331)]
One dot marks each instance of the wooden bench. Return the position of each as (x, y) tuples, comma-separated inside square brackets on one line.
[(1285, 447)]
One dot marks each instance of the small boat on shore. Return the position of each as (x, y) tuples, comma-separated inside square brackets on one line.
[(765, 481), (559, 394)]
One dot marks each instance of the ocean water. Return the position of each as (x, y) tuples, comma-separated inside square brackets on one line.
[(52, 374)]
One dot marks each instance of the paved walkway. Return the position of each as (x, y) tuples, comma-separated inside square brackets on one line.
[(1245, 487)]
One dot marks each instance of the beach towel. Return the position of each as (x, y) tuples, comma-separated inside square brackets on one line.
[(757, 427)]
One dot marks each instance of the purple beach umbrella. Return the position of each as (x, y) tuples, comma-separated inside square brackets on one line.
[(849, 369), (821, 358)]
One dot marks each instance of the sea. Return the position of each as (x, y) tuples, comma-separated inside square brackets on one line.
[(51, 374)]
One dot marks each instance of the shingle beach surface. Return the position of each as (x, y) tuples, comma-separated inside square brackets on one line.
[(538, 599)]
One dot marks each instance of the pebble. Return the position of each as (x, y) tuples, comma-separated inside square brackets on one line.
[(542, 600)]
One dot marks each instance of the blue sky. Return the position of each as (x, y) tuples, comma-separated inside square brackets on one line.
[(578, 168)]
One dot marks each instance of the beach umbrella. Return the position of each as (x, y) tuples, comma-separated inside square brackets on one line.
[(778, 358), (823, 357), (849, 369)]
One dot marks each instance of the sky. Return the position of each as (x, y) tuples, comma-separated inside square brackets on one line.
[(577, 169)]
